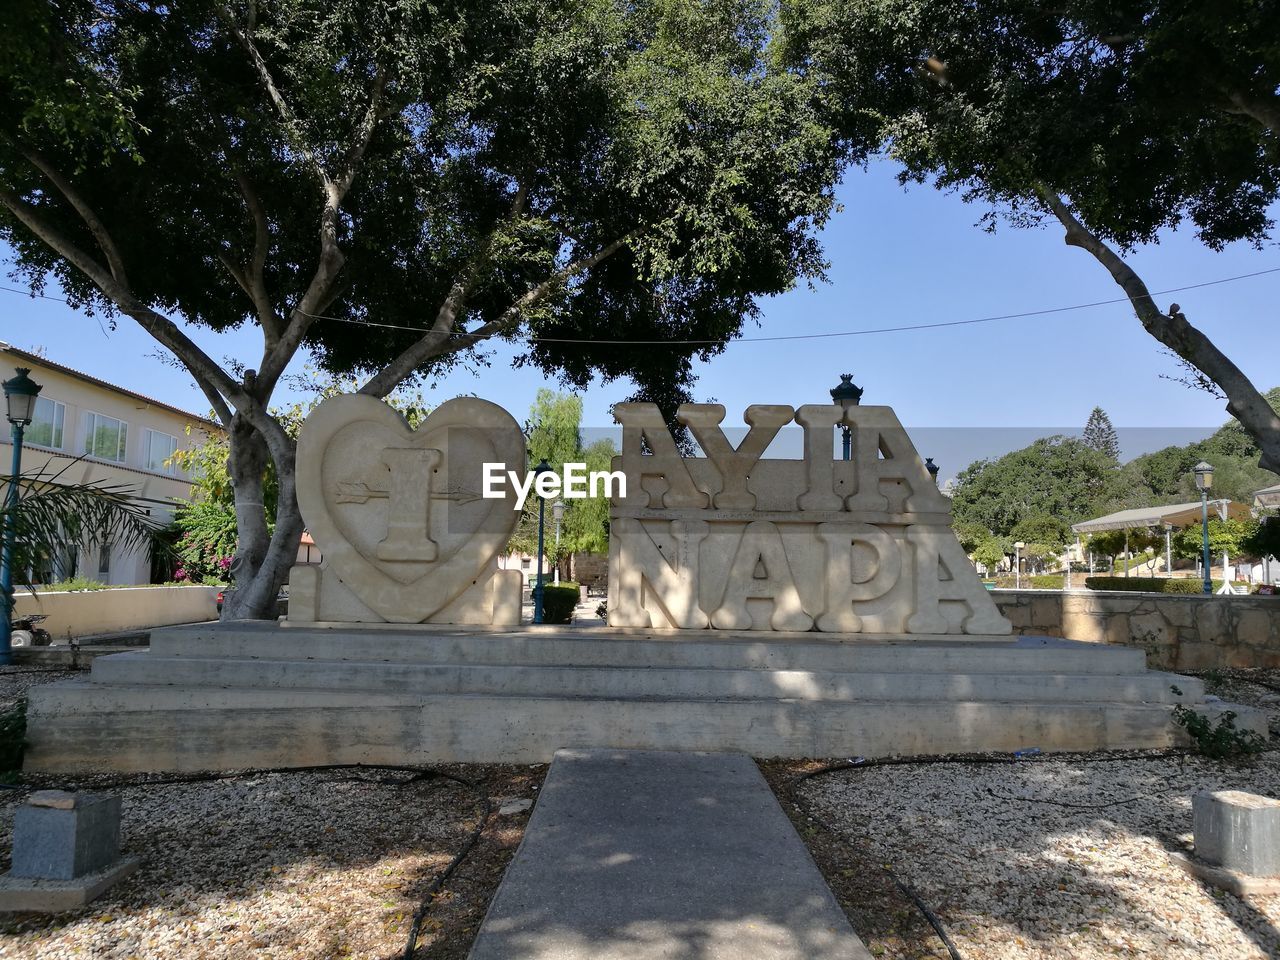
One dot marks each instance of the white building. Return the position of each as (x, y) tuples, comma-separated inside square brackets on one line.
[(95, 432)]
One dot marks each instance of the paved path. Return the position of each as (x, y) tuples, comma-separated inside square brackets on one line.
[(645, 855)]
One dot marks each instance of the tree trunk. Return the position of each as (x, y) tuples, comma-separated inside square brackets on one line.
[(247, 468), (262, 561), (1244, 402)]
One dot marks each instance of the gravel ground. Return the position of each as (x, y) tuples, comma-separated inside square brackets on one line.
[(1046, 858), (316, 865)]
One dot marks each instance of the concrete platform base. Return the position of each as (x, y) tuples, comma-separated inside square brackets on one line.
[(228, 696), (637, 855), (57, 896)]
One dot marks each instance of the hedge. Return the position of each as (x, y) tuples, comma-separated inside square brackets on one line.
[(1149, 584), (1041, 581), (558, 601)]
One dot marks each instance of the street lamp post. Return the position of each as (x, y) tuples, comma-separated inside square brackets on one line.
[(539, 470), (845, 395), (20, 395), (557, 513), (1017, 564), (1204, 480)]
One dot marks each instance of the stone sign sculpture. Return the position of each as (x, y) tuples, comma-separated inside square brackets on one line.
[(398, 513), (411, 530), (732, 541)]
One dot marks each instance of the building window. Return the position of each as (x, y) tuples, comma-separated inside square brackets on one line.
[(160, 448), (104, 562), (106, 438), (45, 429)]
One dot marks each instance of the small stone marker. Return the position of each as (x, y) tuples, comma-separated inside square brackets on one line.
[(66, 851), (1238, 830), (1237, 842)]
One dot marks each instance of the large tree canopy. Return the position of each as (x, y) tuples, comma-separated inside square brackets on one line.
[(391, 184), (1054, 477), (1114, 120)]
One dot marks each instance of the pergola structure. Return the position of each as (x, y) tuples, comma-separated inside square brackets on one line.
[(1170, 517), (1268, 498)]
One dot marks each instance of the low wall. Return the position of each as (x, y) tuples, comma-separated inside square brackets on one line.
[(79, 613), (1177, 632)]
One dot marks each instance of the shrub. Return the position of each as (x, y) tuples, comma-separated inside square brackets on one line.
[(75, 583), (1221, 740), (558, 601), (1149, 584), (1041, 581)]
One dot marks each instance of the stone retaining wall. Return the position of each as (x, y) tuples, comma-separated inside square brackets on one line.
[(78, 613), (1177, 632)]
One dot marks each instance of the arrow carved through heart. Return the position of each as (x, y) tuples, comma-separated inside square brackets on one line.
[(360, 492)]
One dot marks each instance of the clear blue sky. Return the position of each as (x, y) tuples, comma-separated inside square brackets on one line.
[(897, 257)]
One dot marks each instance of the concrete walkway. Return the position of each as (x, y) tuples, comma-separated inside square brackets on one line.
[(646, 855)]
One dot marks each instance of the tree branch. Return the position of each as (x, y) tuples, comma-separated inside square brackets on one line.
[(364, 131), (281, 351), (436, 342), (1244, 402), (211, 378), (91, 219), (255, 272), (292, 127), (1265, 111)]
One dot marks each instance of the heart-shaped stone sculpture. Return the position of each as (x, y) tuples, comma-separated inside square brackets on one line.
[(398, 513)]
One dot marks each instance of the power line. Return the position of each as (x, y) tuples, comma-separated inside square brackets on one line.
[(1047, 311)]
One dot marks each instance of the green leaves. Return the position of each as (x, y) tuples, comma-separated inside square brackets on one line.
[(1055, 480), (1143, 114), (669, 123)]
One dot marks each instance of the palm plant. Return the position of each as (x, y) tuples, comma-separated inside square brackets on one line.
[(50, 516)]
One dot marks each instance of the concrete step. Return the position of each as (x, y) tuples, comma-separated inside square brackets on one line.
[(62, 654), (81, 726), (683, 682), (608, 647)]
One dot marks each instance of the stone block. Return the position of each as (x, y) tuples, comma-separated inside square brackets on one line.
[(1019, 616), (1237, 830), (1118, 630), (65, 842), (1198, 656), (1212, 620), (1150, 628), (1046, 612), (1255, 627), (1079, 624), (1176, 611)]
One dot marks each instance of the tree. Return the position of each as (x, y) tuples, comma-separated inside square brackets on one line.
[(1100, 435), (970, 534), (1167, 476), (587, 522), (1264, 541), (1055, 477), (1042, 528), (554, 433), (389, 185), (1228, 536), (990, 552), (1109, 544), (1114, 120)]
